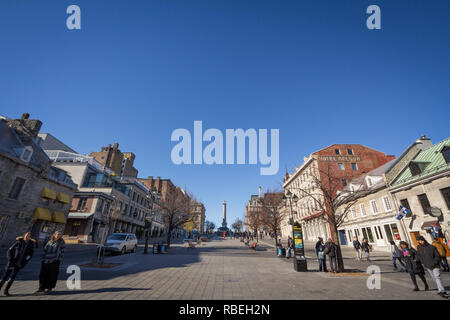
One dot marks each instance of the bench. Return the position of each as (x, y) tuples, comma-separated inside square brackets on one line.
[(253, 246)]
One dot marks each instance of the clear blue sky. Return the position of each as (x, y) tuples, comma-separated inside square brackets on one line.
[(140, 69)]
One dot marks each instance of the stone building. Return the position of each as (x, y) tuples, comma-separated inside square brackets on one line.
[(342, 161), (199, 212), (122, 164), (420, 181), (373, 215), (34, 195)]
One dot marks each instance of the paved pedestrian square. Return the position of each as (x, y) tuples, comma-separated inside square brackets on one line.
[(219, 269)]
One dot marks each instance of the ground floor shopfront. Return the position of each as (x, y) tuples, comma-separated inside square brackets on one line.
[(315, 228), (378, 232)]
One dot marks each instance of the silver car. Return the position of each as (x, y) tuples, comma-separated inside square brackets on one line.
[(121, 243)]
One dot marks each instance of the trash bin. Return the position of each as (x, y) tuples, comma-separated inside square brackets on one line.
[(300, 264)]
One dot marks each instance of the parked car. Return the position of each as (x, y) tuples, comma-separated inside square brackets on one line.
[(121, 243), (204, 238)]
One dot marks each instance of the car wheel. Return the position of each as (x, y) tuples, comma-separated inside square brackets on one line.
[(134, 249), (124, 250)]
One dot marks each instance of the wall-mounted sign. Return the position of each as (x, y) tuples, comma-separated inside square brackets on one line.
[(436, 212), (340, 158)]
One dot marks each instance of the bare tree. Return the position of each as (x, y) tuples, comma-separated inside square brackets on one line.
[(176, 210), (327, 194), (210, 226), (237, 225), (271, 213), (254, 221)]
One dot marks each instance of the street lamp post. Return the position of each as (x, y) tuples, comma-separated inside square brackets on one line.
[(149, 223), (297, 236)]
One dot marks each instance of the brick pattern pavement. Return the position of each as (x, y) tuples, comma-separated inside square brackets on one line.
[(222, 269)]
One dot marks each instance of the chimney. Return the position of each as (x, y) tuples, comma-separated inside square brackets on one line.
[(259, 189), (116, 146), (424, 142), (25, 126)]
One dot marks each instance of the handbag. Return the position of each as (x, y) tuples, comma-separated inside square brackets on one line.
[(320, 255)]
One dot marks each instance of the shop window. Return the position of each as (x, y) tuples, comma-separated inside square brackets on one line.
[(395, 231), (376, 233), (16, 188), (446, 194), (425, 204)]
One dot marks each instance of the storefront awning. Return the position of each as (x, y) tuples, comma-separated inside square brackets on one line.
[(42, 214), (63, 197), (59, 217), (79, 215), (426, 225), (48, 193)]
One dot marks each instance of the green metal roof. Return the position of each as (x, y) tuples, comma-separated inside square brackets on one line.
[(435, 163)]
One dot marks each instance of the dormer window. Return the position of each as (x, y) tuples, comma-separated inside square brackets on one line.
[(26, 154), (415, 168), (446, 154)]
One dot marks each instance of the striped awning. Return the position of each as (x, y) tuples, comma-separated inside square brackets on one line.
[(59, 217), (42, 214), (48, 193)]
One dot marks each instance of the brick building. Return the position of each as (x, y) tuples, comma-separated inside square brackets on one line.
[(342, 161), (121, 163)]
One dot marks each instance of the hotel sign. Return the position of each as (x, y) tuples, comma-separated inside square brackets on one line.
[(340, 158)]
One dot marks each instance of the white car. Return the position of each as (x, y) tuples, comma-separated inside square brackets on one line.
[(121, 243)]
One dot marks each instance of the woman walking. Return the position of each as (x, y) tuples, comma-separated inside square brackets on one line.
[(18, 255), (51, 259), (320, 255), (366, 247), (413, 266)]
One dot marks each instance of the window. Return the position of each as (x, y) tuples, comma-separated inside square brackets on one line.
[(423, 199), (3, 223), (446, 154), (446, 194), (353, 212), (373, 204), (344, 182), (376, 233), (341, 166), (367, 233), (379, 231), (405, 203), (350, 151), (16, 188), (415, 169), (337, 151), (82, 204), (387, 204), (354, 167), (363, 209)]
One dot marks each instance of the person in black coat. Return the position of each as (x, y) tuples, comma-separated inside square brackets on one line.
[(431, 260), (413, 266), (19, 254), (320, 255), (330, 251)]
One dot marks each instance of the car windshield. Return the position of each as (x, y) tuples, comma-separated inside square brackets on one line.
[(117, 237)]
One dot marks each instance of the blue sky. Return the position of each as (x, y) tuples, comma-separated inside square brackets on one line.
[(140, 69)]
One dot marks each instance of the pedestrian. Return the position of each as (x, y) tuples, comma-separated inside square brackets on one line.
[(366, 247), (289, 247), (413, 266), (431, 259), (330, 251), (442, 252), (397, 255), (51, 260), (357, 246), (19, 254), (320, 255)]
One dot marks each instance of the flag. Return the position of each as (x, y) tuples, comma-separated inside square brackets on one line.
[(402, 211)]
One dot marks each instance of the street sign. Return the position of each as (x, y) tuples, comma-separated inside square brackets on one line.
[(436, 212)]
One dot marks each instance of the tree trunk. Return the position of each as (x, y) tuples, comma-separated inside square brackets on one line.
[(340, 260), (169, 235)]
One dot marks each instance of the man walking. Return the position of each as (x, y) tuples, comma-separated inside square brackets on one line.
[(330, 251), (366, 247), (357, 246), (430, 258), (397, 255), (442, 252)]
